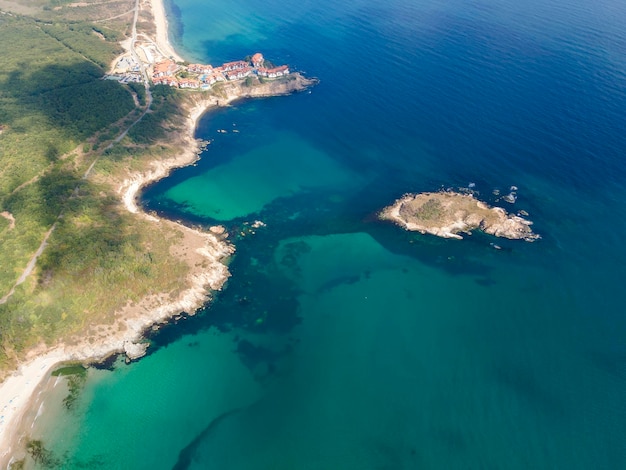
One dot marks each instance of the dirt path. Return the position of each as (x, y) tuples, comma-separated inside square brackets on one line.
[(114, 17), (33, 261), (7, 215), (30, 266)]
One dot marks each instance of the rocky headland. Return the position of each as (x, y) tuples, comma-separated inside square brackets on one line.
[(205, 254), (447, 214), (293, 83)]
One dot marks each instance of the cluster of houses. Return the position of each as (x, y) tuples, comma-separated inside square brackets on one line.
[(168, 72)]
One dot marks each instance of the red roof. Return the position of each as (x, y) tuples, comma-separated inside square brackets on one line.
[(237, 63), (282, 68), (165, 66)]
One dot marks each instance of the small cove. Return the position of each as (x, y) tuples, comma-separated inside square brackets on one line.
[(343, 342)]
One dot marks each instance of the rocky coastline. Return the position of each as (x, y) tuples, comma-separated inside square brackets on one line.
[(206, 253), (447, 214)]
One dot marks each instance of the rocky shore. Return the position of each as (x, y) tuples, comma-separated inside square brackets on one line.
[(205, 254), (447, 214), (293, 83)]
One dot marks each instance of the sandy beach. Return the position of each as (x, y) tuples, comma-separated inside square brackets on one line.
[(15, 395), (162, 39), (204, 253), (19, 388), (198, 249)]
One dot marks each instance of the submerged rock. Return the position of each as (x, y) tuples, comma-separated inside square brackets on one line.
[(446, 214)]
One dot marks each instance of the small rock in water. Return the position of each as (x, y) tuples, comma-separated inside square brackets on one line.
[(258, 223), (513, 188), (523, 212), (471, 185), (496, 192), (510, 198)]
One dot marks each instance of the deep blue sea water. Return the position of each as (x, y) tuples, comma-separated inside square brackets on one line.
[(344, 343)]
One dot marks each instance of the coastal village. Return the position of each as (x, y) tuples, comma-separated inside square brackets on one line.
[(147, 59), (165, 71)]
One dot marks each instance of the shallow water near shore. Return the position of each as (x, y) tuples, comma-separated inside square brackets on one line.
[(343, 342)]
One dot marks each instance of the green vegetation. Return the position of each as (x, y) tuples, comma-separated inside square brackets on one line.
[(56, 3), (153, 126), (41, 455), (108, 34), (95, 262), (76, 376), (51, 98), (80, 38), (17, 465), (69, 370), (57, 114), (46, 92), (75, 384), (140, 91), (430, 210)]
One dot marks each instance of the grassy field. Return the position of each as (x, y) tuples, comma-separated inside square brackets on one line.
[(51, 100), (56, 117)]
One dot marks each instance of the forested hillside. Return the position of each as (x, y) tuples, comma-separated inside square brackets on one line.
[(58, 116)]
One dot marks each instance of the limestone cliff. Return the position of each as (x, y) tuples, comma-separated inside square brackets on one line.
[(256, 89)]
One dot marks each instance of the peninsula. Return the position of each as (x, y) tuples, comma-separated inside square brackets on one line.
[(87, 278), (447, 214)]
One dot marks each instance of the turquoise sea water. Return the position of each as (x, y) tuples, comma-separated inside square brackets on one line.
[(344, 343)]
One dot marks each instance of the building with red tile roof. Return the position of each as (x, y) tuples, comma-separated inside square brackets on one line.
[(165, 68), (188, 83), (171, 81), (237, 65), (257, 60), (238, 74), (275, 72), (200, 68)]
